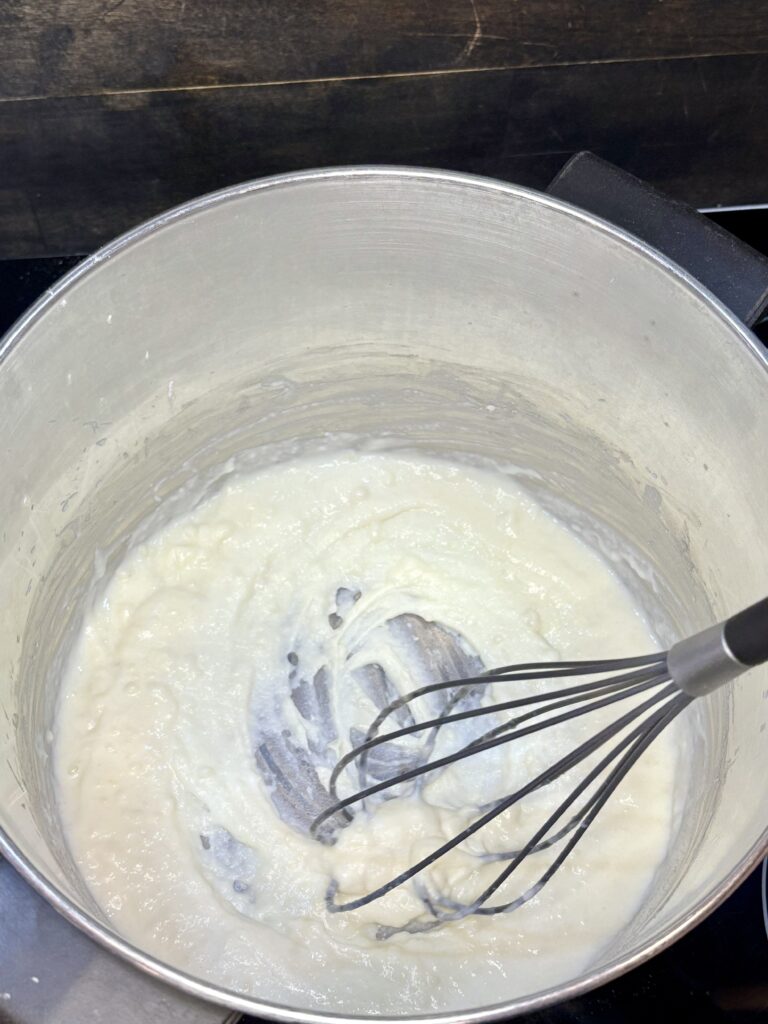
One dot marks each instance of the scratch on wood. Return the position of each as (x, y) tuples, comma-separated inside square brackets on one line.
[(556, 135), (477, 35), (450, 35), (272, 83)]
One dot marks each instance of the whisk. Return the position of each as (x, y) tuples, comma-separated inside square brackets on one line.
[(664, 684)]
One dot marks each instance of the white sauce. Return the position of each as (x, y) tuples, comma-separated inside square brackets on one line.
[(182, 671)]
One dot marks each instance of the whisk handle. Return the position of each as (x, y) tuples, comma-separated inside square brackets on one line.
[(746, 634), (709, 659)]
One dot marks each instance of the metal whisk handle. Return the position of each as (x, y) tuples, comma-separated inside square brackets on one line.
[(705, 661)]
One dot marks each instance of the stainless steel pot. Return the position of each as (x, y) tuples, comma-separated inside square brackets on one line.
[(423, 308)]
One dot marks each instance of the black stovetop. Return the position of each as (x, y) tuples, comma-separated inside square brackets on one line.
[(717, 973)]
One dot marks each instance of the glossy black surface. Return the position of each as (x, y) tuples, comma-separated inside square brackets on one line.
[(717, 973)]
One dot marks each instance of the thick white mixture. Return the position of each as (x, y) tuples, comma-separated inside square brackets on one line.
[(255, 634)]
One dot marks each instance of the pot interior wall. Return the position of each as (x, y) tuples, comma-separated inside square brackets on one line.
[(443, 315)]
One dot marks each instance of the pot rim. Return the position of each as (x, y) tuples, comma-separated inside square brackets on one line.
[(209, 991)]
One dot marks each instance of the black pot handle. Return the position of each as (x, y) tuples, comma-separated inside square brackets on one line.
[(733, 271)]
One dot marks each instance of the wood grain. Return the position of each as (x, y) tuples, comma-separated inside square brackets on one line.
[(75, 47), (82, 169)]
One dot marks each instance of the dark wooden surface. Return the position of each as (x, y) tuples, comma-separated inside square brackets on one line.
[(112, 110)]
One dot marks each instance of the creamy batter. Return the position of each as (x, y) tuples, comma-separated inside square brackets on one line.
[(245, 646)]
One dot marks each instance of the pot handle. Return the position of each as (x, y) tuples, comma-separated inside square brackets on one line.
[(736, 273)]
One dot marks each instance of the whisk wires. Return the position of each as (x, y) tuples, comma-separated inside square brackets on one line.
[(641, 724)]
